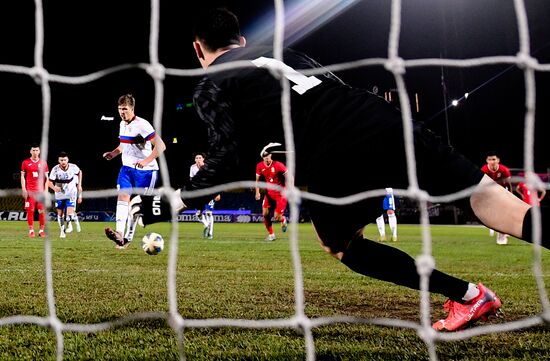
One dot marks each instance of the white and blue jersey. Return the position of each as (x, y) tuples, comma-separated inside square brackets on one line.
[(389, 202), (67, 180), (135, 139)]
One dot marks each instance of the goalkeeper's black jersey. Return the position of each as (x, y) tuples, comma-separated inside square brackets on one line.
[(345, 137), (242, 112)]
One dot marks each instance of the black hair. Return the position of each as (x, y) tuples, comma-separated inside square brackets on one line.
[(491, 153), (217, 28), (62, 155)]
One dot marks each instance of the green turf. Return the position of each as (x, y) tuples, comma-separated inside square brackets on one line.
[(239, 276)]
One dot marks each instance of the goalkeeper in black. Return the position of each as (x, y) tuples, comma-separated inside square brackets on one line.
[(241, 109)]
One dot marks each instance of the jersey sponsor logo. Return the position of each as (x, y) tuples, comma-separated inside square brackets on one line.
[(155, 206)]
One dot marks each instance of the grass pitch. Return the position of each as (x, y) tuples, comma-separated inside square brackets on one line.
[(239, 276)]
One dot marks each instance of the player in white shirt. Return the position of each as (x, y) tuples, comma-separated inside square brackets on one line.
[(66, 181), (205, 216), (388, 204), (140, 146)]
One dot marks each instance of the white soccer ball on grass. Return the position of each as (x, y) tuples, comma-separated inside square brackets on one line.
[(152, 243)]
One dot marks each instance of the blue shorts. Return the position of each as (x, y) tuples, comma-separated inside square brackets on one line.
[(134, 181), (65, 203), (388, 203)]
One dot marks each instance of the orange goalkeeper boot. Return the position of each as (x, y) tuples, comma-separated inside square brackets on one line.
[(462, 315)]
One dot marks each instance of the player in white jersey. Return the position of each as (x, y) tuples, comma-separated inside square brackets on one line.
[(66, 181), (140, 146), (388, 204), (205, 216)]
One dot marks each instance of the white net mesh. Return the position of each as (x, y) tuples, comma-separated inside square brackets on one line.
[(299, 321)]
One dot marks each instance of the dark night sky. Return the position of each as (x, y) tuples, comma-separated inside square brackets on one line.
[(84, 37)]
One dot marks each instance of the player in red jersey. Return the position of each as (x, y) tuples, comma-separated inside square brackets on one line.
[(34, 178), (273, 172), (498, 172), (502, 175), (530, 197)]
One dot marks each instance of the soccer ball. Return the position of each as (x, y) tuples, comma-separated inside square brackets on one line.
[(152, 243)]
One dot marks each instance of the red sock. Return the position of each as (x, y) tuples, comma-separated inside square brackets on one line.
[(41, 219), (30, 219), (268, 225)]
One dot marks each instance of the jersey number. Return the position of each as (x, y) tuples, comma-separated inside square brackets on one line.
[(303, 83)]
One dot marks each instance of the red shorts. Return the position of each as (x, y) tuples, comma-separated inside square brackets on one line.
[(31, 204), (276, 200)]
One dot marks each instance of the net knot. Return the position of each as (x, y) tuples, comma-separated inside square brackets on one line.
[(292, 194), (526, 61), (427, 334), (425, 264), (157, 71), (396, 65), (39, 75), (176, 321)]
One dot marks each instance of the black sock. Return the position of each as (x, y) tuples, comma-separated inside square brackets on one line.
[(390, 264), (527, 227)]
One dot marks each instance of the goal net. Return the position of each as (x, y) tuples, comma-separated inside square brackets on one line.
[(396, 66)]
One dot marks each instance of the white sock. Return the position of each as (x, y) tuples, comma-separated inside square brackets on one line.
[(381, 226), (472, 292), (210, 224), (121, 216), (392, 220), (204, 220), (61, 223), (74, 217)]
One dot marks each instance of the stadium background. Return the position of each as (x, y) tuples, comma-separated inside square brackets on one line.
[(81, 37)]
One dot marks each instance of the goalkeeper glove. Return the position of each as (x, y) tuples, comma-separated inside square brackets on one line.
[(153, 209)]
